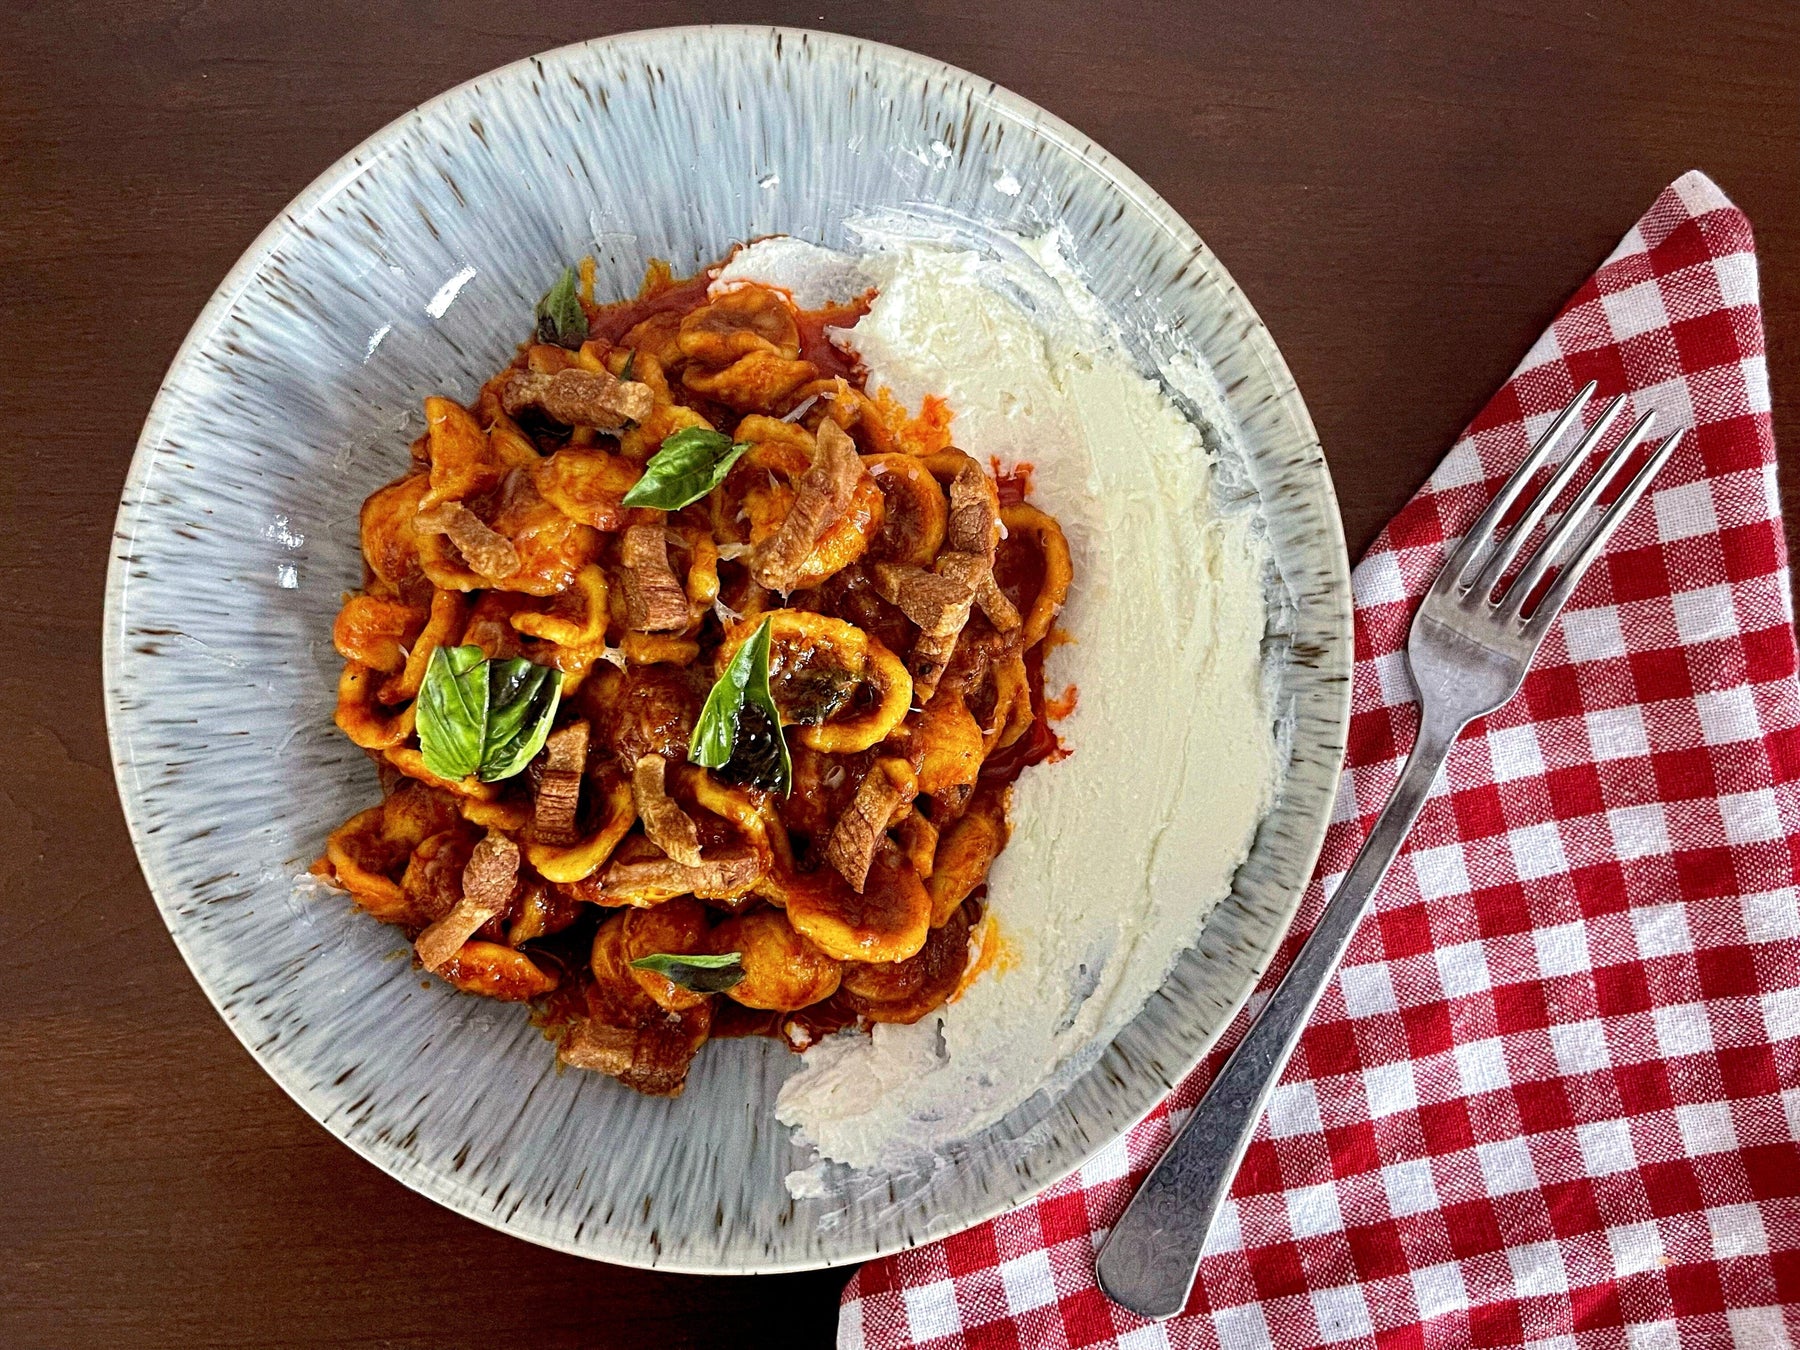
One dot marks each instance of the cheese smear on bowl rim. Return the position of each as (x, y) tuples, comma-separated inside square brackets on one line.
[(1121, 850)]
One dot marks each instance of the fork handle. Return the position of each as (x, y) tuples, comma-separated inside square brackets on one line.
[(1149, 1261)]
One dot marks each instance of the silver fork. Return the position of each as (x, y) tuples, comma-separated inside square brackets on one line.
[(1468, 653)]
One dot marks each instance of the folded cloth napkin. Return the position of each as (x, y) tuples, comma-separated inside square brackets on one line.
[(1553, 1096)]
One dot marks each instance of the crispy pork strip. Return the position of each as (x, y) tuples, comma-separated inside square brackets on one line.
[(565, 749), (1001, 612), (888, 786), (559, 786), (974, 525), (929, 658), (665, 824), (651, 1058), (714, 879), (578, 398), (604, 1049), (974, 528), (488, 882), (823, 495), (490, 554), (654, 599), (938, 602)]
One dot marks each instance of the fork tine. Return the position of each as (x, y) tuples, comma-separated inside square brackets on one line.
[(1481, 533), (1577, 517), (1508, 548), (1590, 547)]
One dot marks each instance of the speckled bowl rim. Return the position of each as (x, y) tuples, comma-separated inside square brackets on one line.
[(345, 170)]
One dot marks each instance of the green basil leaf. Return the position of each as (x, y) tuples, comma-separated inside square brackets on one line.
[(701, 974), (757, 695), (716, 730), (690, 464), (477, 716), (453, 711), (522, 699), (744, 684), (560, 317), (630, 365)]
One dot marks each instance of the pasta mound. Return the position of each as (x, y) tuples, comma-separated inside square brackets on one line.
[(907, 601)]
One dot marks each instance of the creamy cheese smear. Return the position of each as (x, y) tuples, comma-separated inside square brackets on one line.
[(1120, 850)]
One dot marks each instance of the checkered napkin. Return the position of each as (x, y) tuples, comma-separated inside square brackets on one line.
[(1553, 1096)]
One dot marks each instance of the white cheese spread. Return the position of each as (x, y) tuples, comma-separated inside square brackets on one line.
[(1119, 851)]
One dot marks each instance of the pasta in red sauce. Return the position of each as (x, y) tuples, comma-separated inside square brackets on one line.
[(906, 595)]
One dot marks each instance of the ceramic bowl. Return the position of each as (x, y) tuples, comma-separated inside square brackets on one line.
[(405, 270)]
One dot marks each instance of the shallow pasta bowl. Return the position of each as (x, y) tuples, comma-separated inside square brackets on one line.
[(405, 270)]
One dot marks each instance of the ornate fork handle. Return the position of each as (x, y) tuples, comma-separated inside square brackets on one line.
[(1149, 1261)]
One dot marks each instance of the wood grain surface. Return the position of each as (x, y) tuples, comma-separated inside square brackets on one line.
[(1407, 191)]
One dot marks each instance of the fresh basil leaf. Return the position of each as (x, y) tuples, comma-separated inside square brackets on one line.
[(560, 318), (477, 716), (716, 730), (701, 974), (690, 464), (522, 699), (453, 711), (629, 366), (744, 687), (758, 695)]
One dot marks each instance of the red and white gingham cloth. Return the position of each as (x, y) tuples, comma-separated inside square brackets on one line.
[(1553, 1097)]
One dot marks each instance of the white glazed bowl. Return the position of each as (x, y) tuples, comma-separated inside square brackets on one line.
[(405, 270)]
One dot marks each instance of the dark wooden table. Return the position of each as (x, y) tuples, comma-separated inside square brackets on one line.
[(1407, 191)]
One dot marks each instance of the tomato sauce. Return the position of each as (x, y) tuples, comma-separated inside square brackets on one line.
[(1014, 484), (1062, 705), (609, 323), (818, 348)]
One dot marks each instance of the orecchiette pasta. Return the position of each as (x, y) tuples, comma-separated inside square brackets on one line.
[(901, 596)]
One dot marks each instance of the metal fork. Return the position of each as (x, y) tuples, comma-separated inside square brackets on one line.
[(1470, 646)]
